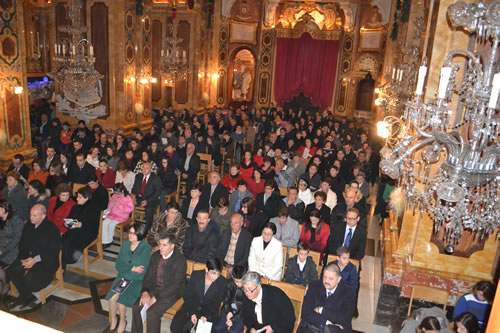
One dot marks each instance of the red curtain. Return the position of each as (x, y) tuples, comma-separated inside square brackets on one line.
[(307, 66)]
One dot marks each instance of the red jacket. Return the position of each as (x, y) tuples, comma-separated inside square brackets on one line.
[(57, 217), (231, 184), (108, 180), (65, 137), (321, 239), (312, 151)]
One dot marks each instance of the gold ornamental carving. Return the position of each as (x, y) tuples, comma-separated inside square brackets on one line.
[(320, 21)]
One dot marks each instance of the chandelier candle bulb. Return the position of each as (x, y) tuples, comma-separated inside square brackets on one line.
[(421, 79), (443, 82), (184, 54), (162, 53), (393, 73), (91, 51), (492, 104)]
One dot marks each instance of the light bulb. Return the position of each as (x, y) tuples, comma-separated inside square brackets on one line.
[(382, 129), (450, 192), (154, 80), (18, 90)]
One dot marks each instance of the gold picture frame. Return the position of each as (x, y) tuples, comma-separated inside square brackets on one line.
[(370, 39), (243, 32)]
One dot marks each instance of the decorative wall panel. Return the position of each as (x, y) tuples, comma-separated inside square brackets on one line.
[(130, 67), (146, 64), (265, 68), (14, 127), (223, 62), (100, 41), (181, 86), (155, 63)]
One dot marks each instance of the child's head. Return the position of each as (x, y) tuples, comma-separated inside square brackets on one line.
[(302, 251), (343, 255)]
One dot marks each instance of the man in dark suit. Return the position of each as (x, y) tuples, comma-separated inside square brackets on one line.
[(200, 302), (201, 240), (269, 201), (190, 165), (147, 189), (350, 234), (37, 261), (328, 304), (19, 166), (266, 307), (340, 211), (50, 157), (162, 286), (213, 190), (234, 247), (81, 171)]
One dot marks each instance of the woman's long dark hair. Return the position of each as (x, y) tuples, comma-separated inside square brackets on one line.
[(314, 213), (8, 209)]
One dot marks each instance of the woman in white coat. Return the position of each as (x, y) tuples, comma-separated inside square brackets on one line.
[(266, 254)]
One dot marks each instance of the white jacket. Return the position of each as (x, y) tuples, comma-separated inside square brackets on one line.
[(268, 262)]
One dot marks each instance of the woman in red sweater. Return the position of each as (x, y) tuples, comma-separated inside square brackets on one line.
[(59, 206), (247, 166), (315, 233), (231, 179), (256, 184), (308, 150)]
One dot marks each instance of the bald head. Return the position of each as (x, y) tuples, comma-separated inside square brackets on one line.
[(350, 197), (38, 214), (236, 223)]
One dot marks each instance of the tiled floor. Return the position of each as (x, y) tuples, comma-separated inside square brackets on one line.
[(78, 308)]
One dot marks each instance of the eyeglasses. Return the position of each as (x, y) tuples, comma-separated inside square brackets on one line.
[(351, 218), (248, 291)]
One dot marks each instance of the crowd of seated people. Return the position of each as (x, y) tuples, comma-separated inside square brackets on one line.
[(276, 181)]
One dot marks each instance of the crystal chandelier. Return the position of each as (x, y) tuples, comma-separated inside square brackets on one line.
[(395, 92), (173, 63), (462, 192), (74, 59)]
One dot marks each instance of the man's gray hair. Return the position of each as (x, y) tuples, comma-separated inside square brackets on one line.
[(42, 208), (333, 268), (251, 278), (239, 216)]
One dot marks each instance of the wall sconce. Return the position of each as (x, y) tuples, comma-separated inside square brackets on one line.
[(129, 78), (215, 76), (10, 84), (154, 80)]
